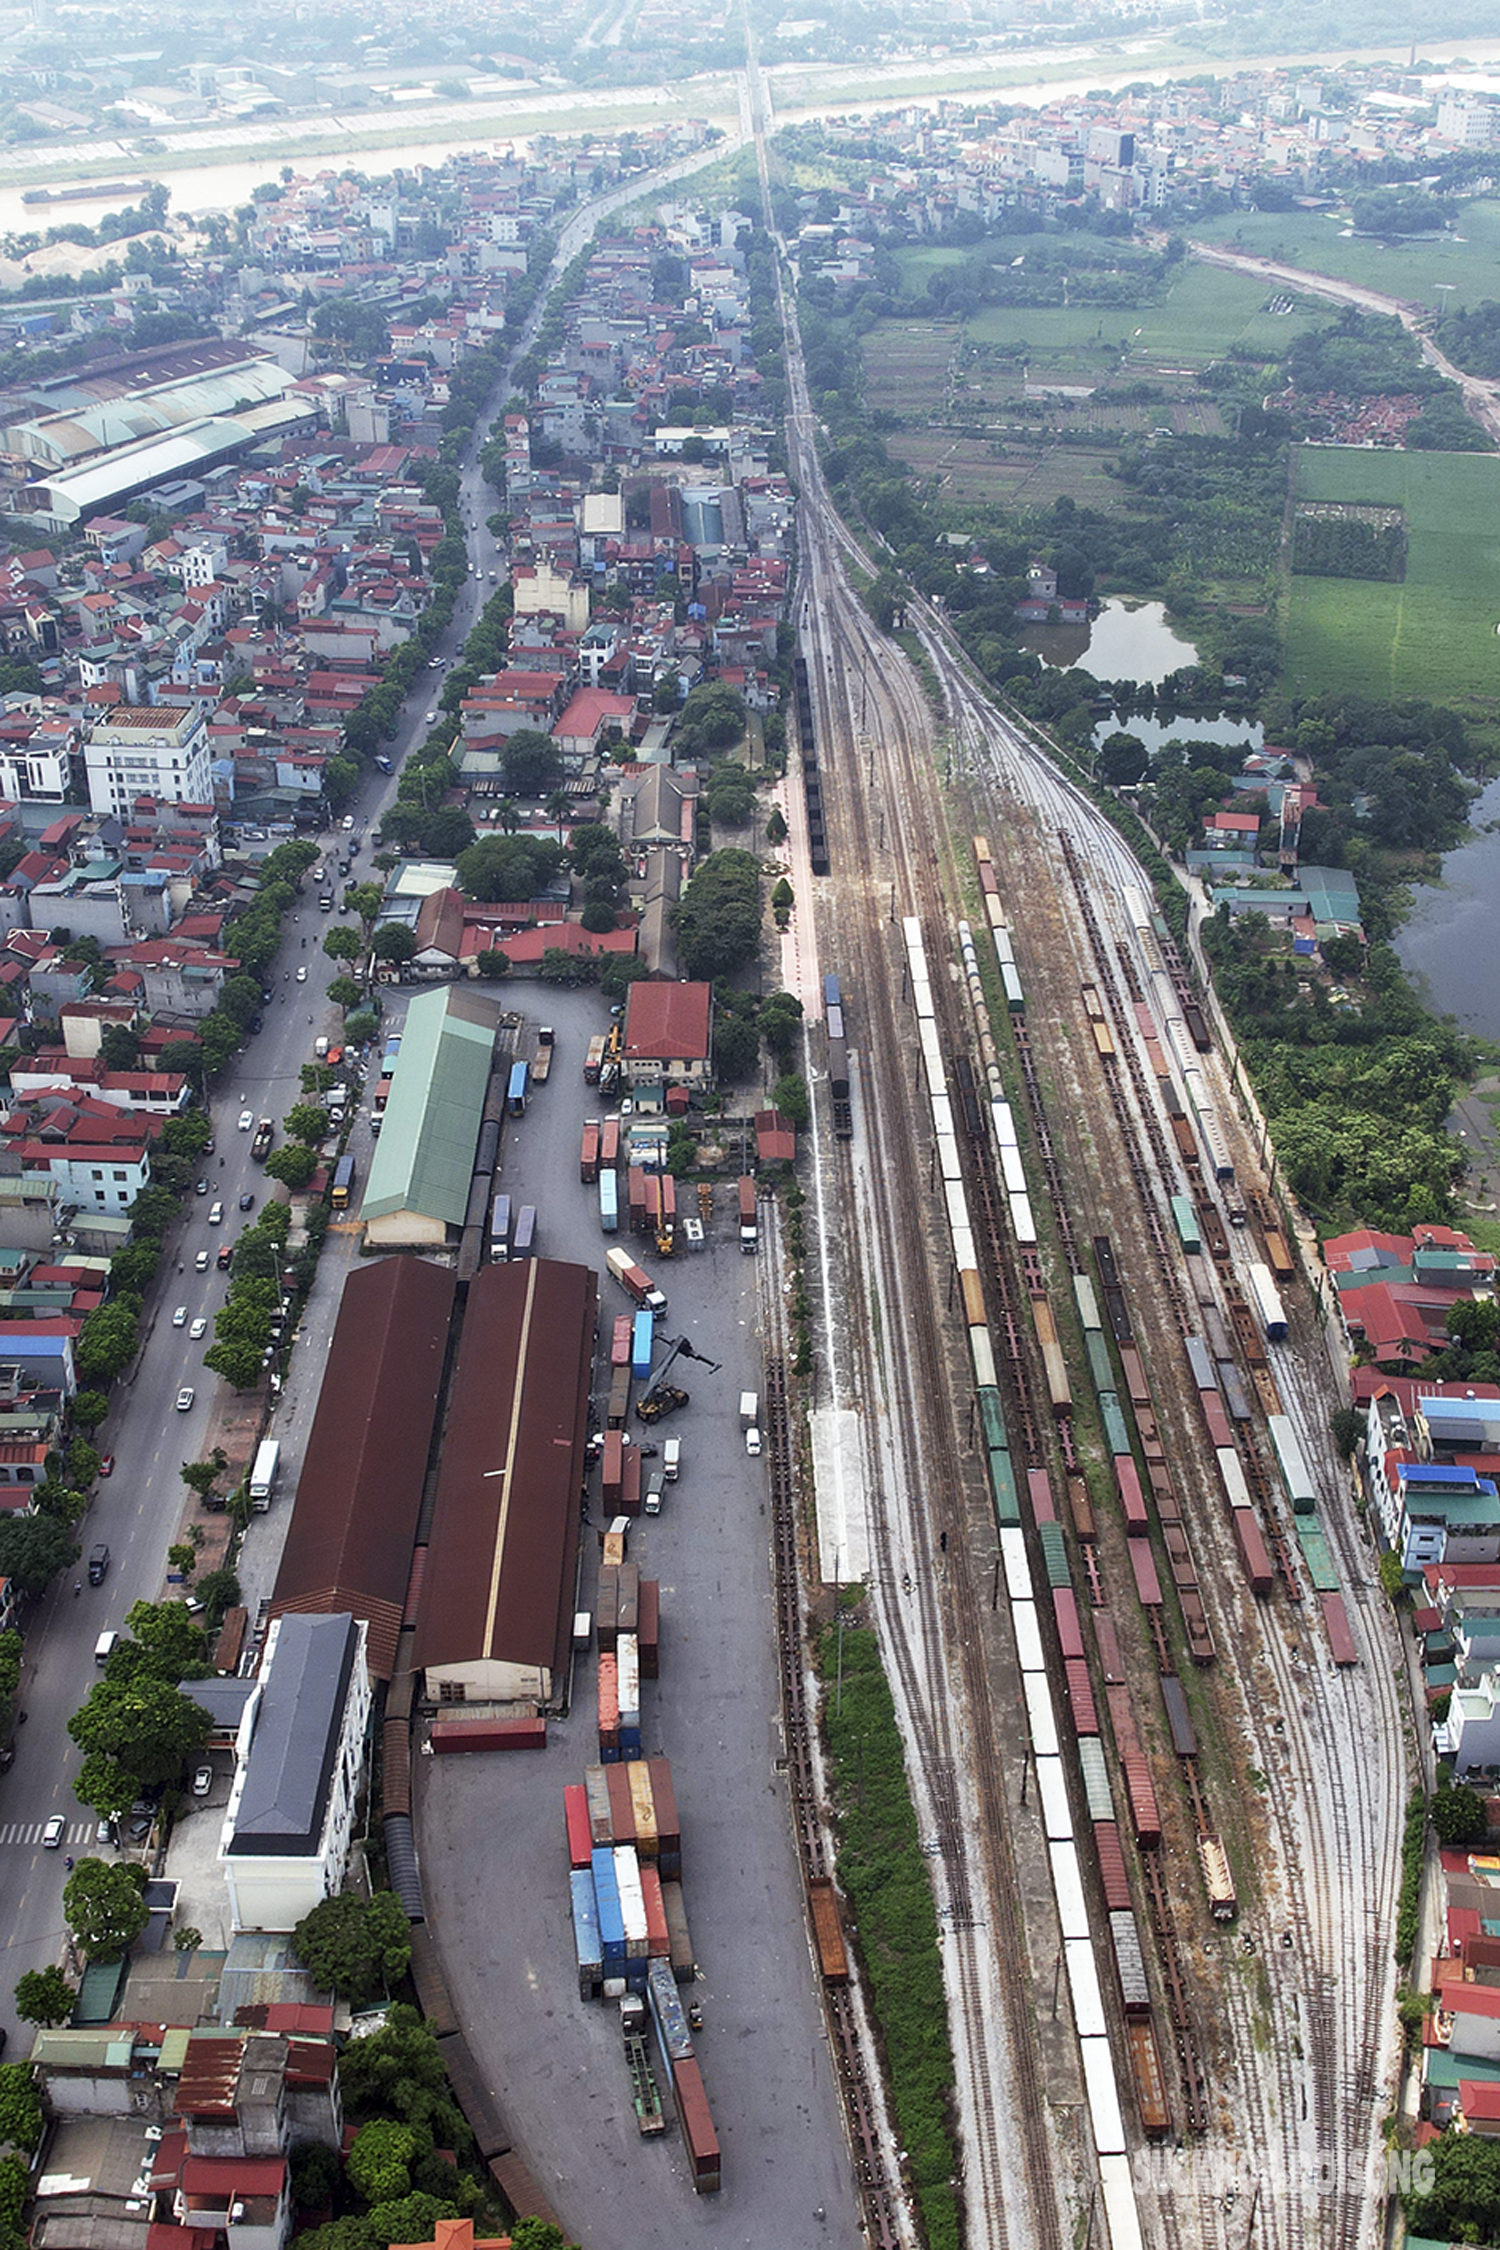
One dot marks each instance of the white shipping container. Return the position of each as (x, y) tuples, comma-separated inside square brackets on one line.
[(942, 1114), (1013, 1559), (1005, 1124), (947, 1151), (1013, 1171), (632, 1901), (1028, 1637), (1040, 1716), (958, 1205), (1023, 1226), (1052, 1788), (921, 996), (1232, 1477), (963, 1249), (1067, 1884), (628, 1660), (982, 1352), (1103, 2097), (1083, 1984)]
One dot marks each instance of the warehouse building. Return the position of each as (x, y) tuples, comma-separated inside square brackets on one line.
[(354, 1518), (497, 1600), (418, 1188)]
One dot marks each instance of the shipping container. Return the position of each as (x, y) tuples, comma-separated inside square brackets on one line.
[(1054, 1555), (609, 1144), (620, 1335), (637, 1776), (523, 1241), (680, 1943), (632, 1902), (621, 1804), (1200, 1363), (587, 1942), (1069, 1634), (641, 1341), (1130, 1962), (1290, 1459), (607, 1904), (1098, 1796), (1336, 1624), (579, 1826), (588, 1155), (1111, 1857), (1232, 1477), (629, 1601), (648, 1628), (609, 1710), (609, 1203), (699, 2140), (450, 1735), (1116, 1430), (1216, 1421), (1144, 1816), (1080, 1697), (658, 1944), (601, 1813), (1132, 1499), (1185, 1220), (1321, 1568), (628, 1671), (1179, 1718), (500, 1231), (668, 1834)]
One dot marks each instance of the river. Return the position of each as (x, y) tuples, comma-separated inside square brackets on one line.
[(1450, 942)]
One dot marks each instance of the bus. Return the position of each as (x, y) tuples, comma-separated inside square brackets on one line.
[(343, 1183), (515, 1100)]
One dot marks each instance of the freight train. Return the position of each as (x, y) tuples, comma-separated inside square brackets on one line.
[(812, 779), (838, 1059)]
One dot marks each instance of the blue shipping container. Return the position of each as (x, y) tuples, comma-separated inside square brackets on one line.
[(515, 1100), (609, 1202), (640, 1346), (586, 1943), (607, 1904), (668, 2013)]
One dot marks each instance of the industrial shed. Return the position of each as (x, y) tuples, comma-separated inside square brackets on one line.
[(354, 1518), (497, 1600), (424, 1160)]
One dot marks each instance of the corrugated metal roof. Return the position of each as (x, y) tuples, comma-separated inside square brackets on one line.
[(131, 468), (54, 440), (504, 1548), (424, 1159), (298, 1731), (354, 1518)]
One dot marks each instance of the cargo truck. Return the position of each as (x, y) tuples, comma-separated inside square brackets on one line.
[(588, 1155), (609, 1202), (593, 1057), (542, 1062), (636, 1284), (749, 1409), (263, 1474), (749, 1227), (644, 2090)]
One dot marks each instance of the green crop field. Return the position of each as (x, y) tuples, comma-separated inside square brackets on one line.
[(1459, 268), (1435, 634), (1206, 309)]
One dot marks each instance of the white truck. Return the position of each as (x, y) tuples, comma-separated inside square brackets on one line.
[(263, 1474)]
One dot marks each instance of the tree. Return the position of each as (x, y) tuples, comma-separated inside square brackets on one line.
[(360, 1025), (783, 899), (379, 2164), (186, 1939), (305, 1121), (15, 2194), (343, 992), (619, 973), (1464, 2204), (201, 1477), (219, 1592), (447, 832), (315, 2175), (539, 2234), (171, 1640), (1123, 760), (395, 942), (736, 1048), (363, 899), (293, 1164), (790, 1098), (1458, 1815), (147, 1726), (33, 1549), (108, 1338), (776, 826), (780, 1015), (119, 1047), (354, 1947), (89, 1409), (105, 1907), (20, 2105), (399, 2072), (718, 915), (44, 1996), (341, 944), (530, 762)]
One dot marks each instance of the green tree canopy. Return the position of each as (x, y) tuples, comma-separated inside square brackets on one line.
[(718, 916), (353, 1946), (294, 1164), (20, 2107), (379, 2164), (146, 1725), (33, 1549), (44, 1996), (105, 1906), (531, 762)]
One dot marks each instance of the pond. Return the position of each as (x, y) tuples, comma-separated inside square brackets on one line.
[(1450, 942), (1126, 641), (1153, 729)]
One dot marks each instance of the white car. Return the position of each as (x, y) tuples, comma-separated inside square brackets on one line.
[(203, 1781), (179, 1318), (54, 1832), (752, 1444), (199, 1328), (302, 976), (347, 822), (246, 1120), (185, 1398)]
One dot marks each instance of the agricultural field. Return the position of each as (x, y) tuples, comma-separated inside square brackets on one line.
[(1197, 321), (1434, 635), (1459, 269), (987, 473)]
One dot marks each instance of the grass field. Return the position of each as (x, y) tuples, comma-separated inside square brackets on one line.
[(1435, 634), (1466, 259), (1197, 321)]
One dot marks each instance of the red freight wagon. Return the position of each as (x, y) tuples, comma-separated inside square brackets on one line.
[(580, 1829), (1107, 1642), (1082, 1509), (1215, 1420), (1040, 1491), (1065, 1610), (609, 1143), (1252, 1547), (1135, 1375), (1081, 1696), (1111, 1858), (1336, 1624), (1143, 1810), (1148, 2077), (1147, 1583), (698, 2135), (828, 1930), (648, 1628), (1132, 1499)]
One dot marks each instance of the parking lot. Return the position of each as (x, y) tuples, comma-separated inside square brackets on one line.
[(493, 1856)]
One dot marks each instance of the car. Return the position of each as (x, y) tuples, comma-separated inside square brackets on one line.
[(257, 1023), (201, 1188), (203, 1781), (54, 1832), (139, 1828), (185, 1398), (199, 1328), (107, 1463), (246, 1120), (302, 973), (347, 822), (434, 664), (247, 1201), (179, 1317), (752, 1444), (98, 1564), (431, 719), (225, 1255), (104, 1831), (200, 1263), (216, 1214)]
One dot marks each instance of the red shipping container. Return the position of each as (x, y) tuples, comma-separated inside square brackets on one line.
[(628, 1611), (580, 1834), (619, 1343), (637, 1180), (1142, 1797), (1065, 1610), (607, 1605), (1042, 1509), (1336, 1624), (1132, 1499), (630, 1482), (668, 1833), (621, 1805), (488, 1734), (648, 1630), (1108, 1646), (612, 1465), (609, 1702), (1252, 1547), (1143, 1563), (1135, 1376), (658, 1944), (698, 2135), (1081, 1696), (1111, 1858)]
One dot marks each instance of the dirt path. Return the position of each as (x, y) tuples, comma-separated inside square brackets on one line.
[(1481, 396)]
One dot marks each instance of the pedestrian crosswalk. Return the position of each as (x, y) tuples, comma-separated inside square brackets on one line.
[(31, 1832)]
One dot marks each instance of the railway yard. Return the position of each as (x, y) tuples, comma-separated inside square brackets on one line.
[(1132, 1629)]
